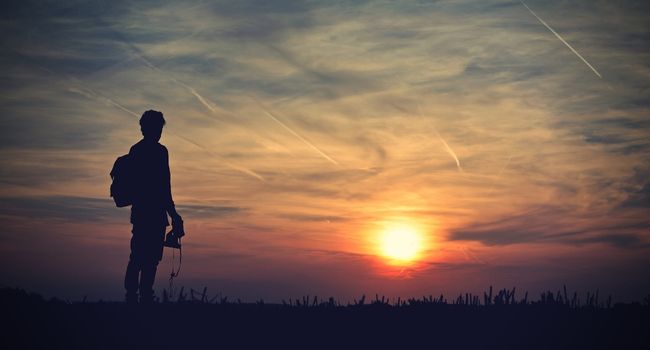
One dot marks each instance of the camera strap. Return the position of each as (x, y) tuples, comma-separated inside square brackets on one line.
[(173, 273)]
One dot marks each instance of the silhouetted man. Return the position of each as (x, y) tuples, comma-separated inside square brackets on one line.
[(152, 201)]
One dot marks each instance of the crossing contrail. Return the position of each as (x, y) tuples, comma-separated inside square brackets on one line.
[(292, 132), (136, 51), (89, 93), (204, 101), (95, 95), (211, 105), (562, 40), (231, 165), (92, 94)]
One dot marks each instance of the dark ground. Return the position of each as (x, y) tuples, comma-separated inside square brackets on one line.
[(30, 322)]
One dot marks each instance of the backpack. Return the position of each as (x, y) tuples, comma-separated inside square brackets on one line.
[(122, 187)]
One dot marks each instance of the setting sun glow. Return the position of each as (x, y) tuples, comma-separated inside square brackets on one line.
[(401, 244)]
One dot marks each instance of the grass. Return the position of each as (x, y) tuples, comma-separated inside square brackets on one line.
[(193, 319), (502, 297)]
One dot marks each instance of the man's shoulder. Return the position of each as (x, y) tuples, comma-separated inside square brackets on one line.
[(163, 150), (136, 147), (142, 146)]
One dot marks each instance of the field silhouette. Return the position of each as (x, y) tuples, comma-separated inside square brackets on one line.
[(194, 320)]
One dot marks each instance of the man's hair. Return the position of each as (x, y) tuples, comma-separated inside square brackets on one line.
[(152, 120)]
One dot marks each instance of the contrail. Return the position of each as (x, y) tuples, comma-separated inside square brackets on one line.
[(447, 148), (301, 138), (234, 166), (311, 145), (204, 101), (94, 95), (136, 51), (211, 105), (450, 151), (88, 93), (91, 94), (562, 40)]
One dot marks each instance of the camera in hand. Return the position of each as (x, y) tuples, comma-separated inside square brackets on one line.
[(172, 240)]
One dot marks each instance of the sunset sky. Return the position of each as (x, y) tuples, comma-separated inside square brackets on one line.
[(302, 134)]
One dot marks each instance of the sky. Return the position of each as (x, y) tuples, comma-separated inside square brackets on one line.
[(509, 141)]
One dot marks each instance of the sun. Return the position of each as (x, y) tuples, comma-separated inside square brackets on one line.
[(400, 244)]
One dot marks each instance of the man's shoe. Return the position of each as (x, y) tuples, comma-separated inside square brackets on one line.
[(131, 298), (146, 298)]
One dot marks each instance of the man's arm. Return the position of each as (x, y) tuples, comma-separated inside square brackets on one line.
[(177, 221)]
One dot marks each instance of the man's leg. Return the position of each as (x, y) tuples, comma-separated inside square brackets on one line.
[(131, 282), (132, 273), (146, 281), (152, 254)]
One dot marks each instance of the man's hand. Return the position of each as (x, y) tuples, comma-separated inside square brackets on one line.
[(177, 226)]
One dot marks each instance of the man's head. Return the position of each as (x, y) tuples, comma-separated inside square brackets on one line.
[(151, 125)]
